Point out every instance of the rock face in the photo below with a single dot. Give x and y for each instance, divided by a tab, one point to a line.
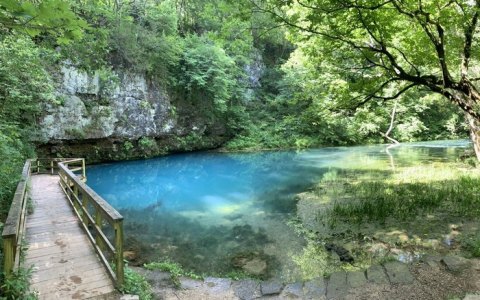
105	109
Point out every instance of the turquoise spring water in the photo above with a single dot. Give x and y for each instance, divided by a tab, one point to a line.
204	210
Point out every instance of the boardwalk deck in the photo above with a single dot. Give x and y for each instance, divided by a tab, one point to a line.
65	265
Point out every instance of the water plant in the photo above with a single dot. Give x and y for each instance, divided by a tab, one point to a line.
175	270
408	193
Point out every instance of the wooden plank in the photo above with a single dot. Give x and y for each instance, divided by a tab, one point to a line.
64	262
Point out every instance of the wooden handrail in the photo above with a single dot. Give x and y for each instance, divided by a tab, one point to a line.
50	165
82	198
14	227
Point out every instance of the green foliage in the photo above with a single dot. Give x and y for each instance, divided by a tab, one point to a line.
173	268
127	145
147	143
207	74
471	243
53	17
24	82
17	287
136	284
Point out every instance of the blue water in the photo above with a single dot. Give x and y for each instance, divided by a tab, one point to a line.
206	209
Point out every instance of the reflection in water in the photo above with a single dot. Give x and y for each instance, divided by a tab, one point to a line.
212	212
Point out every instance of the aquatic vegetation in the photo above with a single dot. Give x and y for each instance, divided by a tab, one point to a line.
175	270
408	193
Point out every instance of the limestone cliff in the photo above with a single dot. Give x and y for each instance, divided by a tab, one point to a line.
112	115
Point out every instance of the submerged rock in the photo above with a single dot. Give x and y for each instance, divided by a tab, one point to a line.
342	253
251	263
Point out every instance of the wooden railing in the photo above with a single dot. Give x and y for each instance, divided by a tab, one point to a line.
50	166
95	213
14	227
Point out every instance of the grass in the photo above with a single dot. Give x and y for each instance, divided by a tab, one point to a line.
406	194
175	270
471	243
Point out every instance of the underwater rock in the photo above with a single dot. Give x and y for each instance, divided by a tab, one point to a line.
250	263
342	253
130	255
255	266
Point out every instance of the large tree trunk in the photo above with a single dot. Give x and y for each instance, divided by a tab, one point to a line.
475	134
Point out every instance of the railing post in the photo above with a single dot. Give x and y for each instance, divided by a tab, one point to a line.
38	166
9	249
51	166
75	197
98	222
84	205
118	225
84	173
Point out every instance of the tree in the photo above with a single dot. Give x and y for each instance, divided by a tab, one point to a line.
386	48
35	17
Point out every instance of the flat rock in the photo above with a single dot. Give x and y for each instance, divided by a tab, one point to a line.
315	289
398	272
190	284
246	289
375	274
129	297
455	263
293	290
271	287
433	261
217	285
472	297
337	285
356	279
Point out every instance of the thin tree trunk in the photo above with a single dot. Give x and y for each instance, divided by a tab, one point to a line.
392	120
475	134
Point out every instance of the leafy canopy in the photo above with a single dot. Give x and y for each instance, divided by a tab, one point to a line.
53	17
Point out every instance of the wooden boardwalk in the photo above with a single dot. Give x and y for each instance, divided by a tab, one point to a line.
65	264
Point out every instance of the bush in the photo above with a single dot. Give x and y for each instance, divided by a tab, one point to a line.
136	284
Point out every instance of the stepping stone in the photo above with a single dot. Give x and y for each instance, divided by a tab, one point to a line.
246	289
293	290
337	285
129	297
376	274
433	261
472	297
315	289
356	279
190	284
455	263
217	285
398	272
271	287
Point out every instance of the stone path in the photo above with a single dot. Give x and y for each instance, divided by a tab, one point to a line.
450	277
